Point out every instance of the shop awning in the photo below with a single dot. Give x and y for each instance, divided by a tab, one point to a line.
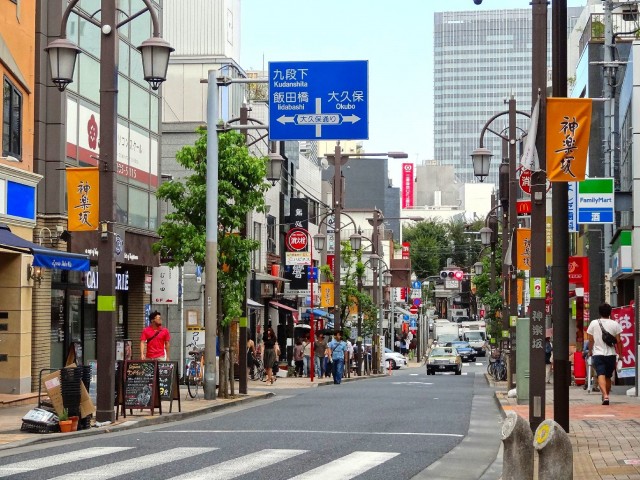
253	304
283	307
42	256
320	313
265	277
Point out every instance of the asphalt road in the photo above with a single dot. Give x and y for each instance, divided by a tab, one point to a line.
408	425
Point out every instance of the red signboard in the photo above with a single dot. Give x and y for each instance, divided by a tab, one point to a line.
296	240
405	249
331	261
579	271
407	185
523	207
413	310
525	181
625	317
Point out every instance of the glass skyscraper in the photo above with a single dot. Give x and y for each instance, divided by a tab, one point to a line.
480	58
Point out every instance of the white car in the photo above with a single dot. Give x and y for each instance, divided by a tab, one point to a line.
397	359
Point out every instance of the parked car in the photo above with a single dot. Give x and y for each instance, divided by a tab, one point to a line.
397	360
466	351
444	359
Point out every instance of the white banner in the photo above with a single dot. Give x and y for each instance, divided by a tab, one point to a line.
164	285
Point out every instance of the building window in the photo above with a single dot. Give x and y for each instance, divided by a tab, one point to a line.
271	234
11	120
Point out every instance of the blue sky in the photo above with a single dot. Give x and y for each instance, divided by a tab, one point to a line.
396	37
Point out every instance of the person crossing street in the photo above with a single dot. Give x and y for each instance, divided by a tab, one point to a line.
338	348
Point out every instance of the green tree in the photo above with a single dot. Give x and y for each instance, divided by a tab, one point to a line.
241	188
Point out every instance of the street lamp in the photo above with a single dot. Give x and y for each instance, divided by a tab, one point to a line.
477	268
339	159
155	59
274	170
481	158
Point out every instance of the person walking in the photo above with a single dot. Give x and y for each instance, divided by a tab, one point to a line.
252	363
269	341
319	347
338	348
603	349
154	340
548	350
298	358
306	356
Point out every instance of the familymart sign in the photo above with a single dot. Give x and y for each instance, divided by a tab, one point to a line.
595	201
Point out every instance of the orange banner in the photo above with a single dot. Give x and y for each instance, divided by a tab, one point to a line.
523	241
326	294
520	290
568	129
83	197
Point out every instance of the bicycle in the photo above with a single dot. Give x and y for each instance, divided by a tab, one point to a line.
194	377
258	370
497	367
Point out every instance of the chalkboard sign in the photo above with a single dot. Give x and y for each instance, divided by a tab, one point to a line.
168	382
141	389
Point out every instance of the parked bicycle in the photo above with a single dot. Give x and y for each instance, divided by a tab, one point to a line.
258	372
497	367
194	375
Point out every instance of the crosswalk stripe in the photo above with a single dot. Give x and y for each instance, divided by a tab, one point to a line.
240	466
53	460
347	467
124	467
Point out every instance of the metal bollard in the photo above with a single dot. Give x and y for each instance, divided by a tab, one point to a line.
517	441
555	454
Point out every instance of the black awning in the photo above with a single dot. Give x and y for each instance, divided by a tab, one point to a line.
42	256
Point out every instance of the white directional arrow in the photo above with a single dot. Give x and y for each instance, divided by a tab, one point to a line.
350	118
284	119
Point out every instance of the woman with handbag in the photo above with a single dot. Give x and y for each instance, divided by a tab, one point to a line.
269	341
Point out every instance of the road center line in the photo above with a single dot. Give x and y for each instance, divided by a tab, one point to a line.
329	432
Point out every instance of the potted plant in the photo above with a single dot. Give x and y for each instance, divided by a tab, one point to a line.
74	422
64	422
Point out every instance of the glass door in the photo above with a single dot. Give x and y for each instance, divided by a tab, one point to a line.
58	307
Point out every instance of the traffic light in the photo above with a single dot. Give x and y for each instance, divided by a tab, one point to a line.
452	274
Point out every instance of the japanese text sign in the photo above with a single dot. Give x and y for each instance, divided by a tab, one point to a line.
318	100
326	294
625	317
83	194
568	130
407	185
523	240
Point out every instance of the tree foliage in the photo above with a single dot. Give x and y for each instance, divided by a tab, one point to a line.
241	188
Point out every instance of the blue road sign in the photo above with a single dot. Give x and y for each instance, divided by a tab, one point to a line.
416	284
318	100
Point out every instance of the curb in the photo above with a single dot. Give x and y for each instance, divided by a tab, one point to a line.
145	422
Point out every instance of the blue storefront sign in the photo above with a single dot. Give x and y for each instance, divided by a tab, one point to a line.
318	100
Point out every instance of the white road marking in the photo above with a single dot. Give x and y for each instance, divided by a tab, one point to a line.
347	467
125	467
240	466
336	432
478	364
53	460
413	374
411	383
604	415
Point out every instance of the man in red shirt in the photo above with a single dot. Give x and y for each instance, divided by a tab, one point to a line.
154	341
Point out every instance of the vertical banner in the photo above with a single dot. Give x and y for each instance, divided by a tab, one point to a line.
572	207
407	185
568	130
326	294
299	218
523	239
625	317
406	250
83	193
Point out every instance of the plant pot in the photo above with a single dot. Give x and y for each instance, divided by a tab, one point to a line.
65	425
74	423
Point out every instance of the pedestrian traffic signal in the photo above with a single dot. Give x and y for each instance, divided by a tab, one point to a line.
452	274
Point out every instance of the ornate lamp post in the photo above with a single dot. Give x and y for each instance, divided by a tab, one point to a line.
155	61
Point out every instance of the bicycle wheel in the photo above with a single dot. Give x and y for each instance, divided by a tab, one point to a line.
501	373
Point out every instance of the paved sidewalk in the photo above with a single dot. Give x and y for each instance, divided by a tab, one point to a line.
605	439
14	407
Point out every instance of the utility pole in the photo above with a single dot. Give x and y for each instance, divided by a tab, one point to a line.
560	268
537	324
337	211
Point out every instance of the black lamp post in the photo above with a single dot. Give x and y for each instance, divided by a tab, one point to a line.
155	61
